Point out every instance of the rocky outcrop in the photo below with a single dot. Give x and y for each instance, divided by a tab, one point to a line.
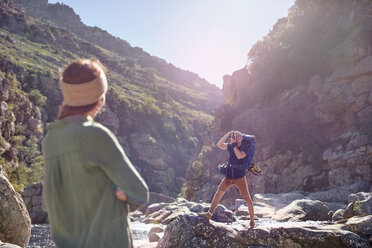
20	124
191	231
32	197
338	215
232	89
15	224
154	233
359	204
109	119
310	111
361	225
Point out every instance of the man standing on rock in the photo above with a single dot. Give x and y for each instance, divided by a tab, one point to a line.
241	150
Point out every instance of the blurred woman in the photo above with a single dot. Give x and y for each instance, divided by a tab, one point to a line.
89	182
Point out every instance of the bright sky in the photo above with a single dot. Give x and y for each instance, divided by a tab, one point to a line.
209	37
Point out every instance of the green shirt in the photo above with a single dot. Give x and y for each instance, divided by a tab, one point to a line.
83	162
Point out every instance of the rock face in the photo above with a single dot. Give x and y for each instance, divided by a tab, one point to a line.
15	224
310	111
190	231
32	196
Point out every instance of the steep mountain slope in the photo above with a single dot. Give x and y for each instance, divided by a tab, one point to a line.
307	96
158	111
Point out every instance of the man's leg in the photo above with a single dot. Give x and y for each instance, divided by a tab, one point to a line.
222	188
242	185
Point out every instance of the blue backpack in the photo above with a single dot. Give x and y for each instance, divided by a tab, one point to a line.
247	161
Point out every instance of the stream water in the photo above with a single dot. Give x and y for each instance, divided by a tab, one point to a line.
41	237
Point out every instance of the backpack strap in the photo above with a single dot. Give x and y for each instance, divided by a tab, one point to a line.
251	140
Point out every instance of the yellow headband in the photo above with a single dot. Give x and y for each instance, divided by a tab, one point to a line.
85	93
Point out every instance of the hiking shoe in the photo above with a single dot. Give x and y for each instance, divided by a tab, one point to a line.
206	215
251	224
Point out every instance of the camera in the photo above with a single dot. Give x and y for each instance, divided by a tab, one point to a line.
233	136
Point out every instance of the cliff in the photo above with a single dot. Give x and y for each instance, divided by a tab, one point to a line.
306	94
160	113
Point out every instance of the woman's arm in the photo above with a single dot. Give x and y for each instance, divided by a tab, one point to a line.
221	143
108	153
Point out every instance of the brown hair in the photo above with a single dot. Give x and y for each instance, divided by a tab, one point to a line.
78	72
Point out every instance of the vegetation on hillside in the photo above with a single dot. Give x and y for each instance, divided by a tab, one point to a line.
146	93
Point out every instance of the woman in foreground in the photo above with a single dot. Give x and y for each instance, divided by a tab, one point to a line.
89	182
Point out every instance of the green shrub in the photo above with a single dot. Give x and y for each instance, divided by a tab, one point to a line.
169	128
37	98
192	141
23	175
197	174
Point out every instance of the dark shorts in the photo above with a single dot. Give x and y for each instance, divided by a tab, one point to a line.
234	173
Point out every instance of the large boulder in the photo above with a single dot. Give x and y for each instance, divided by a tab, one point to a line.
338	215
155	207
7	245
153	237
221	214
303	210
15	223
359	204
156	198
190	231
163	213
302	235
361	225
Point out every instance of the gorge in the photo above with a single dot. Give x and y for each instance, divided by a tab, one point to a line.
306	94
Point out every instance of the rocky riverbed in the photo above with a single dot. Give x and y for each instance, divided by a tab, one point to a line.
41	235
282	220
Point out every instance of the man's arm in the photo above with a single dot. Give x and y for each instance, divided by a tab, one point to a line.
221	143
239	154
